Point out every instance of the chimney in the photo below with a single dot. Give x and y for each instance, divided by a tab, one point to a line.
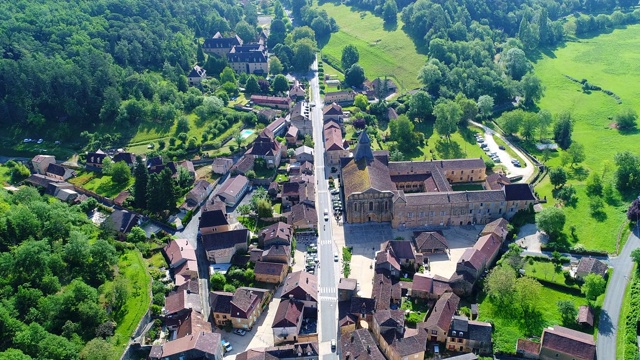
307	280
352	337
368	349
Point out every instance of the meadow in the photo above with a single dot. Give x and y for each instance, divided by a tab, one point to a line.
383	52
610	61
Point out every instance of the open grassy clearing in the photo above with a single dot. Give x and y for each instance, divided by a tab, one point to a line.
547	271
132	267
99	184
391	53
509	329
611	62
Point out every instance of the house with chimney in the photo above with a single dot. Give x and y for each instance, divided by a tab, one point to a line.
334	144
177	303
190	323
220	305
430	287
221	246
201	345
181	257
332	112
276	234
469	336
94	159
197	195
266	147
439	320
222	165
302	286
214	220
387	290
359	344
297	91
270	272
246	307
287	321
196	75
299	117
389	331
220	45
40	163
249	59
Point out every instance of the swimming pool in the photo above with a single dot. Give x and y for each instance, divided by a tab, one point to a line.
246	133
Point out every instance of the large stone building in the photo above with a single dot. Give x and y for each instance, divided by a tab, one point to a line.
419	193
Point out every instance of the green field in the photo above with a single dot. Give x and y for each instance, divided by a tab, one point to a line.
100	184
391	53
611	61
509	329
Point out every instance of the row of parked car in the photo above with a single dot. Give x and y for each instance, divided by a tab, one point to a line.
494	155
311	258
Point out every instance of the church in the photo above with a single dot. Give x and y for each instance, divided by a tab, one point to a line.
419	193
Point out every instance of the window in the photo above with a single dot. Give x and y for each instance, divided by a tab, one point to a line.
499	211
461	172
434	332
355	207
471	211
370	205
442	213
472	171
460	340
481	204
386	205
454	333
410	215
217	316
453	172
488	211
421	213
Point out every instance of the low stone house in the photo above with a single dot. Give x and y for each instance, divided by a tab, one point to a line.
287	321
439	319
269	272
220	305
469	336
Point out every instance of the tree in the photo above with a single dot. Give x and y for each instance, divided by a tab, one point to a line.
544	121
431	77
628	172
516	63
529	126
98	349
136	235
594	286
349	57
626	118
19	172
401	131
448	114
217	281
280	84
532	89
141	174
252	86
594	184
396	155
551	220
354	76
576	153
562	130
361	102
567	194
635	256
469	109
420	106
228	76
633	213
485	106
390	12
275	66
500	285
264	208
568	312
512	121
120	173
120	293
229	288
244	209
557	176
107	165
246	32
304	54
528	290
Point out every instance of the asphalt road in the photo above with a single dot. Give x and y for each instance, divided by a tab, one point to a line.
610	313
328	271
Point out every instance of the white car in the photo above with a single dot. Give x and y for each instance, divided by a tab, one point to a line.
40	141
326	218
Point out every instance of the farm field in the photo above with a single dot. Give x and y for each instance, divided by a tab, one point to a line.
391	53
610	61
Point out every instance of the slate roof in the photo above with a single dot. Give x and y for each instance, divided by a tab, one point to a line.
431	240
516	192
96	157
213	218
122	221
220	301
299	284
197	71
362	305
402	249
574	343
289	314
443	311
56	169
217	41
480	331
224	240
360	344
589	265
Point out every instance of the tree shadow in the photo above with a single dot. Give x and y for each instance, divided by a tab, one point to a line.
605	326
449	149
579	173
390	26
468	135
425	127
599	215
632	131
533	323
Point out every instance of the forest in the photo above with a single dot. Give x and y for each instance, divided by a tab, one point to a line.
53	262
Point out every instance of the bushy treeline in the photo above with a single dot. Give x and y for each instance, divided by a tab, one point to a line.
52	262
82	62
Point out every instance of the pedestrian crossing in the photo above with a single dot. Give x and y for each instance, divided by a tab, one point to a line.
328	298
325	242
326	290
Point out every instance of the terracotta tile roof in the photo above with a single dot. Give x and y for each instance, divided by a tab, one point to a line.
275	124
220	301
588	265
347	284
192	323
185	272
292	132
179	251
360	344
233	185
303	216
243	165
422	282
488	246
269	268
278	231
331	125
245	300
332	109
389	318
179	301
203	341
461	164
387	257
384	290
277	250
190	286
333	139
498	227
528	346
289	314
302	285
431	240
402	249
260	99
496	181
585	315
472	258
573	343
443	311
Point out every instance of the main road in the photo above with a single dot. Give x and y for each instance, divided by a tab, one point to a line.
329	269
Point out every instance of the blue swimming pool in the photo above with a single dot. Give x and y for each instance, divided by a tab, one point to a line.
246	133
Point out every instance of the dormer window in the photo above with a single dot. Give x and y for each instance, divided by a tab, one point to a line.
454	332
461	333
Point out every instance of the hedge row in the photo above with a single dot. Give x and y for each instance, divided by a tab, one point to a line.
631	322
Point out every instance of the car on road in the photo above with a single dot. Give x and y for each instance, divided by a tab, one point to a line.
333	345
239	332
326	211
226	345
313	104
326	218
335	192
501	147
335	257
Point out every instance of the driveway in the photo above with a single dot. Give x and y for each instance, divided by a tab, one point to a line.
260	336
526	172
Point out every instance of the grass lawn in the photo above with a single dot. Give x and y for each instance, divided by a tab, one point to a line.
333	73
102	185
132	267
509	329
611	62
277	208
418	310
382	52
282	178
4	175
547	271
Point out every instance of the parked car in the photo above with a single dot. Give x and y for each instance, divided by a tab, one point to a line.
226	345
239	332
501	147
480	140
335	258
333	345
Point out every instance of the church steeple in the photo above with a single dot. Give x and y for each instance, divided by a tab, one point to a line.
363	149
